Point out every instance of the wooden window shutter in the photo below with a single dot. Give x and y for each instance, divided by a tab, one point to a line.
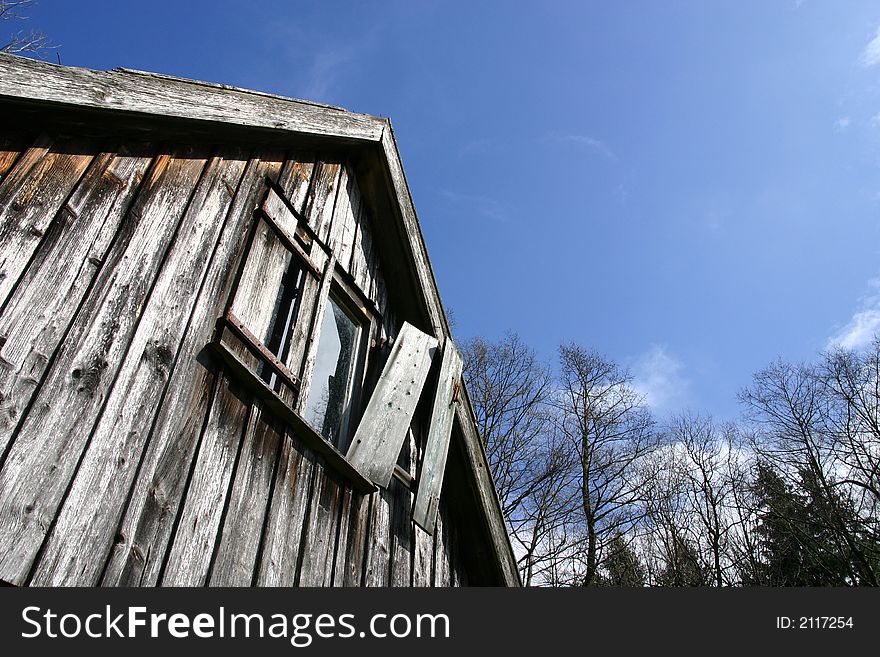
383	428
439	433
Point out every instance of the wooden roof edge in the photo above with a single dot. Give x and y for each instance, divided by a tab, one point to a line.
153	94
228	87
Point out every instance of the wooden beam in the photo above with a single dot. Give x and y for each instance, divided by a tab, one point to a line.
160	95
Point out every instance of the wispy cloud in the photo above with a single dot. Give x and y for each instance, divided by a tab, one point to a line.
483	206
658	376
841	124
871	54
585	141
863	325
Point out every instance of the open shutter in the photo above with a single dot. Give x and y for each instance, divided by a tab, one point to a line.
437	447
382	430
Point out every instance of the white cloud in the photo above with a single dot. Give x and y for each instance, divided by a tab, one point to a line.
842	123
874	121
658	377
871	54
865	322
593	144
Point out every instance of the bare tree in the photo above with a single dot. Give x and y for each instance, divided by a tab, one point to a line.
509	388
611	432
22	41
812	440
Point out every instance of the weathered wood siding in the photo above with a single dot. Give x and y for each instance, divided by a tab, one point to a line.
129	454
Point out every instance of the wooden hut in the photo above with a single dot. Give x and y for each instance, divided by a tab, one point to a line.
223	356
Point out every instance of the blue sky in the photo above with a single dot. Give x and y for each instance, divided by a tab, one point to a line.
692	188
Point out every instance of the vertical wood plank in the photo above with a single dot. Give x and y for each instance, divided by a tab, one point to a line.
145	529
442	574
284	526
83	533
322	199
377	564
343	226
235	560
44	304
43	459
319	538
193	543
11	147
362	256
354	525
26	215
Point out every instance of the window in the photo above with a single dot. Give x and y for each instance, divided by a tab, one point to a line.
340	337
296	313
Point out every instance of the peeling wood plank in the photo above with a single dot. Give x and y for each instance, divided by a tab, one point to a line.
197	530
43	459
84	529
439	433
163	96
44	304
235	560
287	513
26	215
387	417
146	527
319	539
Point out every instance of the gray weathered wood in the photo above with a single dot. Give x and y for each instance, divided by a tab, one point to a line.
46	451
84	529
235	558
387	417
362	260
439	433
164	96
377	558
343	226
197	530
284	526
442	576
145	529
354	518
319	539
26	215
44	304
